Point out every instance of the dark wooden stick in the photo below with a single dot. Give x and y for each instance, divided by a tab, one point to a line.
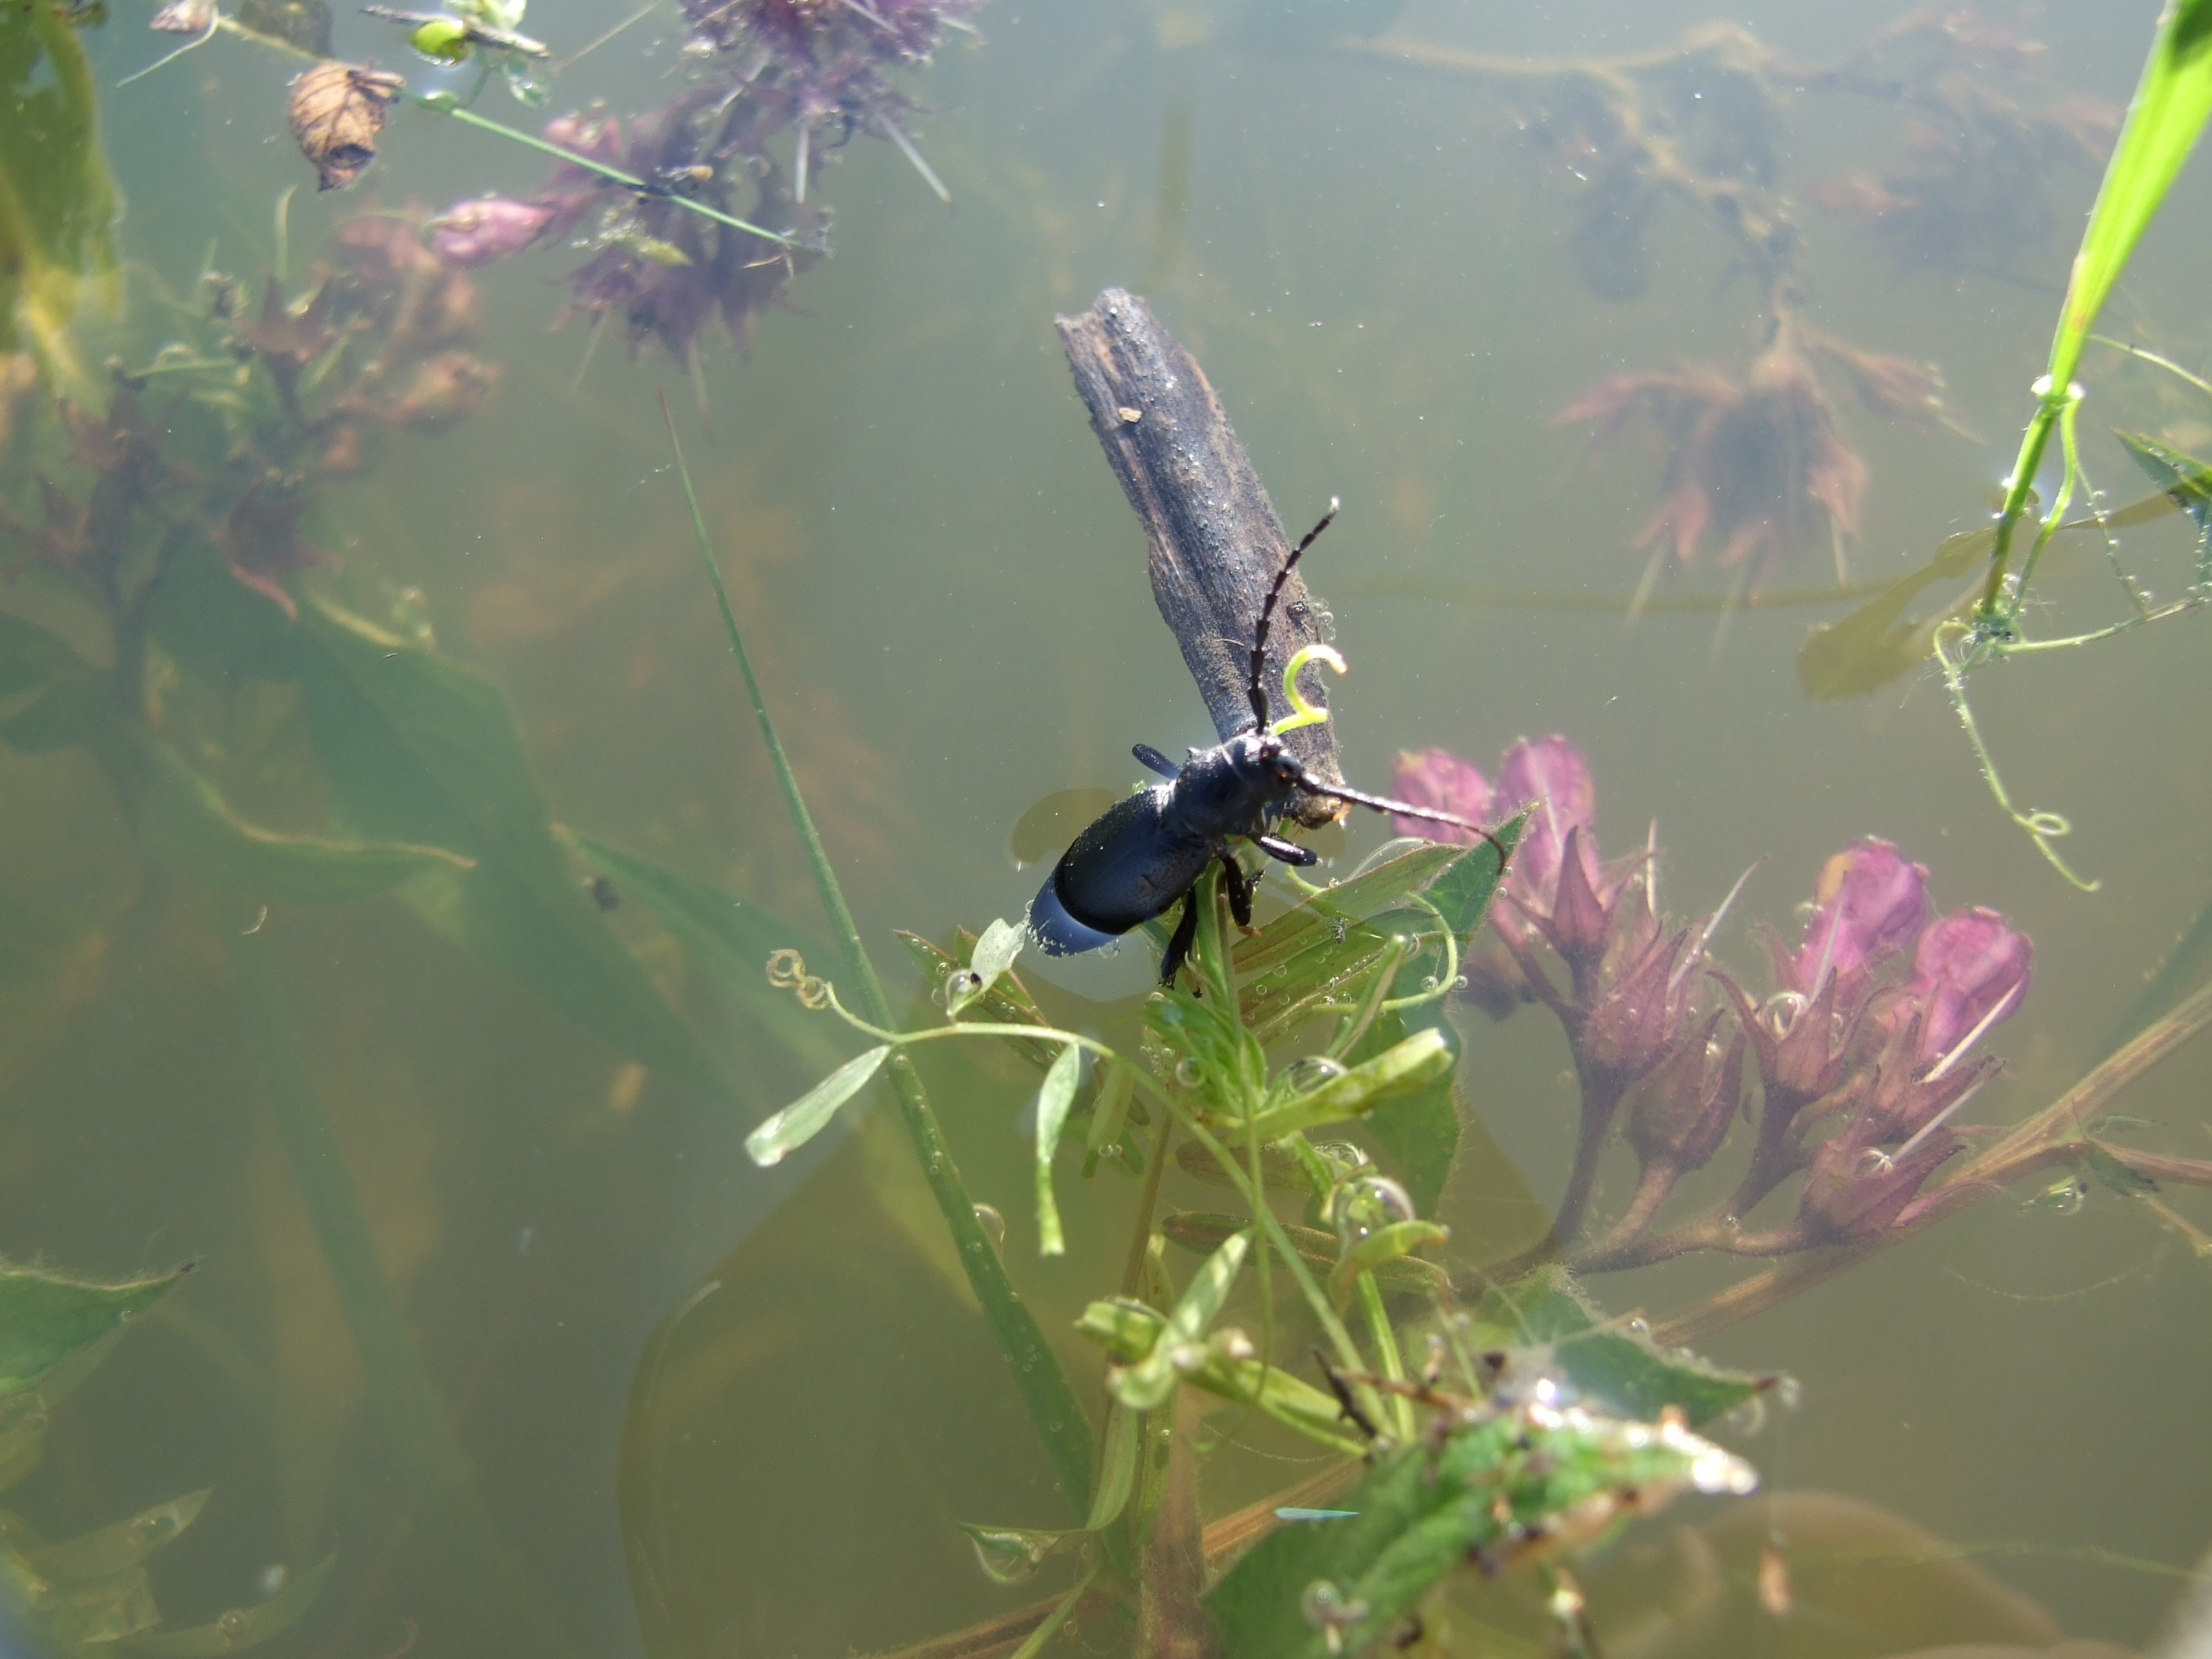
1216	543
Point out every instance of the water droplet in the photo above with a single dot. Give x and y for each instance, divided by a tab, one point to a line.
1639	1327
233	1626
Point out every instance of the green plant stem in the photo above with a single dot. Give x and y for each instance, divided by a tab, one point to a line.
2043	828
439	106
483	1572
1057	1414
1347	1352
1386	1352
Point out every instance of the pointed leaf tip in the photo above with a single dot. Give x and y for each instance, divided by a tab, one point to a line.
807	1117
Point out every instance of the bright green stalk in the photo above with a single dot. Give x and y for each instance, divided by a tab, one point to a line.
1386	1352
1053	1406
2171	103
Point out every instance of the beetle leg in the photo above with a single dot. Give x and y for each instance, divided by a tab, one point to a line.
1185	936
1288	851
1240	887
1152	760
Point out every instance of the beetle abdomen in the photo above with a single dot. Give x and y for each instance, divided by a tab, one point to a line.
1128	866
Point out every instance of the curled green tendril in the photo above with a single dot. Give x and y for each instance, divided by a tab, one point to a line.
1307	714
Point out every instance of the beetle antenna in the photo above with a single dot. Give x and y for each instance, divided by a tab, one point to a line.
1403	809
1267	615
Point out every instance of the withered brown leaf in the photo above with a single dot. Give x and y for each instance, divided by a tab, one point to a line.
337	112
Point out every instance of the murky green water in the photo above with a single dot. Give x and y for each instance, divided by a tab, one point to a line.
713	1410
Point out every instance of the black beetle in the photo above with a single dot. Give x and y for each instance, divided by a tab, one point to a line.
1144	853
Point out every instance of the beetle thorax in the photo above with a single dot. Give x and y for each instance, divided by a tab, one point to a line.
1236	788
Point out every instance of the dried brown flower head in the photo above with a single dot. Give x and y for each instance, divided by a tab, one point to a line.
336	113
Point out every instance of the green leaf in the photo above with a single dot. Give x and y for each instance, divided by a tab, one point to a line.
1877	643
1380	1249
2171	103
1490	1492
1117	1468
1007	1002
45	1318
1054	1097
61	202
241	1627
1547	1327
1012	1555
185	826
993	956
1148	1382
421	750
807	1117
1129	1331
2186	482
119	1546
1201	1230
95	1610
1462	893
1420	1059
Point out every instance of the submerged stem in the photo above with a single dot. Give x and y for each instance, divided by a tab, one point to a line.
1054	1410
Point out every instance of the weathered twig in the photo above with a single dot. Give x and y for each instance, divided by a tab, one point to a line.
1216	542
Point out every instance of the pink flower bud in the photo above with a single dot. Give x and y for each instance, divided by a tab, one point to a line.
1873	900
1442	782
1969	970
1551	774
477	232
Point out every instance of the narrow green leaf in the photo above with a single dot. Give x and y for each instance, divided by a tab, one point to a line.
186	826
1054	1097
1327	914
1109	1107
2185	480
1385	1244
1149	1381
1201	1230
1006	1002
421	750
45	1318
241	1627
1012	1555
1117	1468
71	1617
119	1546
806	1117
2171	103
1462	893
995	952
1414	1064
1129	1331
1877	643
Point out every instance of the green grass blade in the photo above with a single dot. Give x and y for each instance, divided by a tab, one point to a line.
2171	103
1053	1407
1054	1097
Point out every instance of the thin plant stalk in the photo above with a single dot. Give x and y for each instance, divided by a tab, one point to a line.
2169	110
449	1509
1054	1408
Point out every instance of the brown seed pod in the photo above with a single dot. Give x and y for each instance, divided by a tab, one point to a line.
337	112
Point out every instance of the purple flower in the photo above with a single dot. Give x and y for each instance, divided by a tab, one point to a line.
491	228
1551	774
1872	901
1969	970
1443	783
1854	1189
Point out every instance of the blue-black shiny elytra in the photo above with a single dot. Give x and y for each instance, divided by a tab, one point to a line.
1145	851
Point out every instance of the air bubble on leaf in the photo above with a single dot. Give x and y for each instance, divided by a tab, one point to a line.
1365	1204
1309	1072
234	1624
1187	1073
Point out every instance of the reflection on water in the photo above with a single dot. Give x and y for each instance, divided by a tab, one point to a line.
389	662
